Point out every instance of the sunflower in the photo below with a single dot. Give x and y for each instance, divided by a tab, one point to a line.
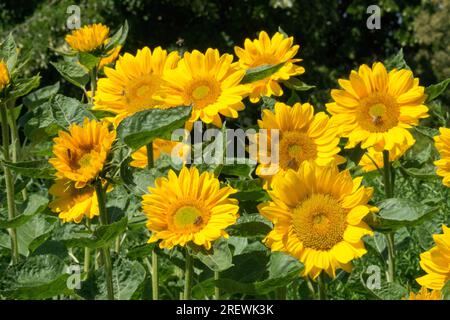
436	262
376	108
373	159
266	51
442	143
189	207
80	154
4	75
209	83
302	136
130	86
88	38
317	214
160	146
72	203
112	56
424	294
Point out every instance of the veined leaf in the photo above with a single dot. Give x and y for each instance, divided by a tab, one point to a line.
145	126
33	169
396	213
73	72
218	258
102	236
435	90
261	72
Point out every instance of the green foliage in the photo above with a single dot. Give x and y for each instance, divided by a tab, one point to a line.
145	126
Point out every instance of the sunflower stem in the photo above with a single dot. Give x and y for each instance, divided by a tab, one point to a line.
216	288
322	287
87	252
93	76
155	281
389	193
101	197
280	293
9	184
188	273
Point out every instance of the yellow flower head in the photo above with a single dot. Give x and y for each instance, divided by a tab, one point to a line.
112	56
191	207
317	214
72	203
436	262
424	294
373	159
160	146
442	143
209	83
88	38
376	108
4	75
131	85
302	136
79	155
266	51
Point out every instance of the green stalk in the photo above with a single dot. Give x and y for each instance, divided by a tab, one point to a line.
389	193
9	185
188	273
101	197
322	287
93	76
87	252
216	288
280	293
155	281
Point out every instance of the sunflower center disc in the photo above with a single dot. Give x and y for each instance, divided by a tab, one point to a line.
201	92
187	216
319	222
296	147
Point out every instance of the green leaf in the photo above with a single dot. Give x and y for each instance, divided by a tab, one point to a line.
41	95
127	277
33	169
396	213
8	52
88	60
142	251
101	237
41	277
435	90
297	85
248	189
34	205
145	126
427	172
57	113
236	168
218	258
118	38
445	292
251	225
396	62
73	72
283	269
23	87
261	72
386	290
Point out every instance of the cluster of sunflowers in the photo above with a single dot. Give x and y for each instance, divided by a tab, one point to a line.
319	212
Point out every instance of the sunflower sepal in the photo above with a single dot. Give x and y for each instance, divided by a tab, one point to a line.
118	38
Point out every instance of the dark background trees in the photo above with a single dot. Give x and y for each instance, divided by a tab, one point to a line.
332	33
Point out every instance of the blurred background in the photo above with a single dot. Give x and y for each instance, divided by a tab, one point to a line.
332	33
